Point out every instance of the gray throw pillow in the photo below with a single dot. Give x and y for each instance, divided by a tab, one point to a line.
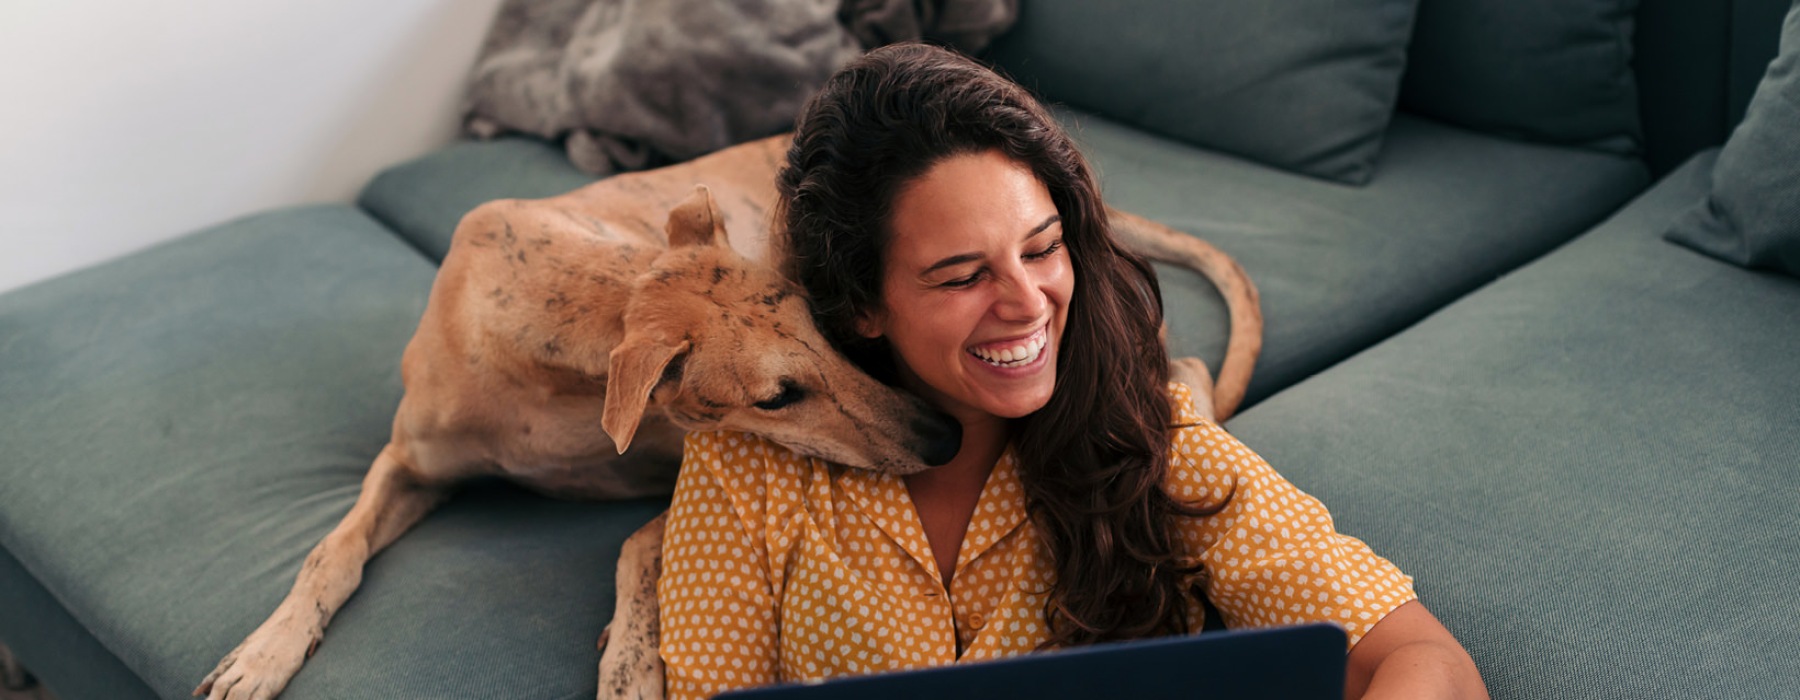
1752	215
1304	85
1555	71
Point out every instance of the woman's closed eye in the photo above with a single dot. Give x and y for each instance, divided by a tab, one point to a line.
1044	254
1048	251
962	281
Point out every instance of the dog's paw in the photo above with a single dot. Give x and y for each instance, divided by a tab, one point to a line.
261	667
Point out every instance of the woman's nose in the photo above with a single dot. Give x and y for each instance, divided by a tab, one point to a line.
1021	297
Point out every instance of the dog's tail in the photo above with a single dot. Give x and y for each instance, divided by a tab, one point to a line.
1164	244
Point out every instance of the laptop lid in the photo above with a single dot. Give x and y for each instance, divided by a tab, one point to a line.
1304	662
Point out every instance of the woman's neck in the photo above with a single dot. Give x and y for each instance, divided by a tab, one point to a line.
945	497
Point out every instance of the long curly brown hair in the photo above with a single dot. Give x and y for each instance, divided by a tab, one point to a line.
1092	460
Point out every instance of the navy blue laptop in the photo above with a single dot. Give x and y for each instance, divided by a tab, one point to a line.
1291	663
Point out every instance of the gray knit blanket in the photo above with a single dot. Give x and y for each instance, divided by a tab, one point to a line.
634	84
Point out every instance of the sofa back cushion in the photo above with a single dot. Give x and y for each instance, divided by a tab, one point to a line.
1305	85
1557	71
1751	217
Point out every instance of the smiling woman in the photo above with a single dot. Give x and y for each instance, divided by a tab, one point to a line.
953	242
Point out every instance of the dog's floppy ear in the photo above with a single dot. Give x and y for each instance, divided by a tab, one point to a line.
634	369
696	221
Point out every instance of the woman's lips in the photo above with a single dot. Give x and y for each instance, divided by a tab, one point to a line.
1013	353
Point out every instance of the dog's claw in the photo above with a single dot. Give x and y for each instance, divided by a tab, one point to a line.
605	633
206	684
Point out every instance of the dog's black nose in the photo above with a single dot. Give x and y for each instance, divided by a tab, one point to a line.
942	438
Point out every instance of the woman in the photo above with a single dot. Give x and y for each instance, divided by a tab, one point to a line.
953	242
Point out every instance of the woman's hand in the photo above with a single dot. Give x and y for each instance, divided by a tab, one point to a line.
1409	654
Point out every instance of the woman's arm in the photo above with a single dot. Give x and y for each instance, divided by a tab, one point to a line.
1409	654
1274	557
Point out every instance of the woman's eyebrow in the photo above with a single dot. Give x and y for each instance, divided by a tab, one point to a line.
1040	227
955	260
951	261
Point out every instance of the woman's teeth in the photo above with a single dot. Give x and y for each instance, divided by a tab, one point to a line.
1015	356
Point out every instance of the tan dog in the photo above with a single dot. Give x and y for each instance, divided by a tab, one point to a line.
624	305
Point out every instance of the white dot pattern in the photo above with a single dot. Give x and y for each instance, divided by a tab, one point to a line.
779	568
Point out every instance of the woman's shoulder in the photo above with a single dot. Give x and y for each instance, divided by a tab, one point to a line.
1203	458
1181	401
740	462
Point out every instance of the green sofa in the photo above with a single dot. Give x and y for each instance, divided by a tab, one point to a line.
1480	353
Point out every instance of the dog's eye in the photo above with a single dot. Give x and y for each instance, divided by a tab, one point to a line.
789	394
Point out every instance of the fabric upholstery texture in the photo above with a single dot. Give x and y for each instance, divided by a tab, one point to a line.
1305	85
1751	215
1588	466
1558	71
191	421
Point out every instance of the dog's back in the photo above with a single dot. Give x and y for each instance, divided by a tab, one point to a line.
742	180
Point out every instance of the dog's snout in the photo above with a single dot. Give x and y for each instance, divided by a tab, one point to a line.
941	438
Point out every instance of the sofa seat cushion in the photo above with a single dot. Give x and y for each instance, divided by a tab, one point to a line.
1340	268
1589	466
183	425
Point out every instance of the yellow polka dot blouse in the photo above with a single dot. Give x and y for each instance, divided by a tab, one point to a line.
779	568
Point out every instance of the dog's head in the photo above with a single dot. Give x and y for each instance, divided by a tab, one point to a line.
718	342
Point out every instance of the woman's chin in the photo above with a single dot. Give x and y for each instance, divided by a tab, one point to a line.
1018	401
1021	412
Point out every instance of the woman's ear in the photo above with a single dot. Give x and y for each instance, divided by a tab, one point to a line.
869	324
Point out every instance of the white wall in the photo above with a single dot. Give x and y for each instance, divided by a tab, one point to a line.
126	122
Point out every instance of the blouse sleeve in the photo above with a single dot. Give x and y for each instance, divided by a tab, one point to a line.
717	605
1272	556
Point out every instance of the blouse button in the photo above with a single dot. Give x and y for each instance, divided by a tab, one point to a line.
976	620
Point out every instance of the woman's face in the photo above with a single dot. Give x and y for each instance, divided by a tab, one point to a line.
976	289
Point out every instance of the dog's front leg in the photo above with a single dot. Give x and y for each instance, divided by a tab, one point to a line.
392	501
631	666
